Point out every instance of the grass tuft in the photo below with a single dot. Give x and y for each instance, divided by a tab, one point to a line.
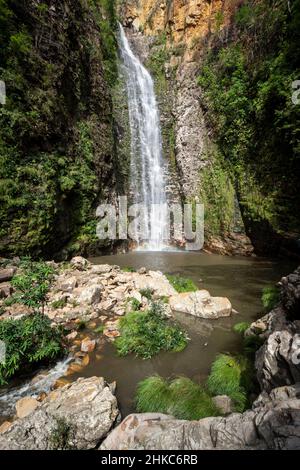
231	376
145	334
181	398
182	284
270	297
241	328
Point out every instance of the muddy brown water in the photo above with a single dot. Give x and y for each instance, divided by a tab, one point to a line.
239	279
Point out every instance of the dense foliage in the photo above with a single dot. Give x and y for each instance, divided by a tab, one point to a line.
181	398
29	342
56	133
32	284
146	334
247	79
182	284
231	376
270	297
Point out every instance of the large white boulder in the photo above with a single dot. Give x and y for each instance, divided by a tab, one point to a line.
201	304
88	409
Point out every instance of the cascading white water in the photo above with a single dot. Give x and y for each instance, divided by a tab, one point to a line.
147	164
42	383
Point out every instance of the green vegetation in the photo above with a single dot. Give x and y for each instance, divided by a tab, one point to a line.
29	342
182	284
242	327
62	435
129	269
33	284
231	376
100	329
135	304
251	343
270	297
56	130
181	398
145	334
59	303
217	194
147	293
247	84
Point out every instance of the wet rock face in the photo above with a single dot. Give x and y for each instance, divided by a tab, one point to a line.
290	293
88	410
274	423
278	360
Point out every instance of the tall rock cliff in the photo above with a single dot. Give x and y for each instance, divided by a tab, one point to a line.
232	131
57	134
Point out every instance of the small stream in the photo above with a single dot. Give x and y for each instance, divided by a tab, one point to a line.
239	279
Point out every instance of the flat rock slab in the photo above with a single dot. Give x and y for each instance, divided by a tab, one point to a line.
7	274
88	408
201	304
273	423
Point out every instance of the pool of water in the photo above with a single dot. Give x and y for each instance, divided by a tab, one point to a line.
239	279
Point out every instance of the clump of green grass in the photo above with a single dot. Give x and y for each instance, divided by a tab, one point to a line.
270	297
135	304
100	329
241	328
59	303
182	284
231	376
147	293
145	334
181	398
251	343
129	269
62	435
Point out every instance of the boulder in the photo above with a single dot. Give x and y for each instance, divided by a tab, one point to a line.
6	290
7	274
87	407
201	304
224	404
155	281
278	360
290	293
142	271
68	285
79	263
26	406
273	423
102	269
72	336
88	345
91	295
5	426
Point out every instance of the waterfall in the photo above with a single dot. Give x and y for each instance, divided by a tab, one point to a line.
147	180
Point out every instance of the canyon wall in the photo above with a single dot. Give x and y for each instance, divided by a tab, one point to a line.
224	72
58	156
171	33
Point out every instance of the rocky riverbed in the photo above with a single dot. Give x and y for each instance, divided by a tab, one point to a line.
99	295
